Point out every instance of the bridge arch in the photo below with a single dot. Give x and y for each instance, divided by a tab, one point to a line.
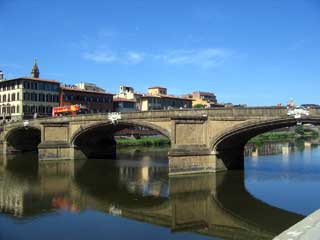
96	140
118	126
20	139
229	145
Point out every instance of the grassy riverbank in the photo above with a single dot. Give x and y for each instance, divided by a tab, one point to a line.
298	132
145	141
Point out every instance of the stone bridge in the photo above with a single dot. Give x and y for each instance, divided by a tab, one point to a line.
202	140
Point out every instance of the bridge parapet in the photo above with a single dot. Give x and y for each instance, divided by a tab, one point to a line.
252	112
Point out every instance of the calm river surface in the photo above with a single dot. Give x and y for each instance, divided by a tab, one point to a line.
133	197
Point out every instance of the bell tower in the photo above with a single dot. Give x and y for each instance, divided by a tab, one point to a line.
35	70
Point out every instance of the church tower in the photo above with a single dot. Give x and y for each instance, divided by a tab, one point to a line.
35	70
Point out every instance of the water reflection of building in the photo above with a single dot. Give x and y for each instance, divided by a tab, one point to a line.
50	188
268	148
12	198
148	181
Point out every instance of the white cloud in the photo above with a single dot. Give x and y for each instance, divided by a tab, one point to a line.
102	56
208	57
135	57
104	48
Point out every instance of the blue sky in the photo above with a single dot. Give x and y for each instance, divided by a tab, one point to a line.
254	52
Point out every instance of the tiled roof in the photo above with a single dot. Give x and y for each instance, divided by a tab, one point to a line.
204	93
165	96
157	87
35	79
82	90
123	100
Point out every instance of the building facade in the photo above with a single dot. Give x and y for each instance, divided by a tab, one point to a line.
24	97
128	93
157	99
89	87
205	99
96	102
124	105
157	90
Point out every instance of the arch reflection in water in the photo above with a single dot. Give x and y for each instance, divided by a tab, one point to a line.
216	205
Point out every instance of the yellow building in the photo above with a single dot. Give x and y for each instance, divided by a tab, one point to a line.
157	90
24	96
206	99
157	99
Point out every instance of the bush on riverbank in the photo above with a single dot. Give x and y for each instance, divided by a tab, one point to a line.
146	141
298	132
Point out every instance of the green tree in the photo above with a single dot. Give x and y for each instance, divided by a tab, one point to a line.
199	105
299	130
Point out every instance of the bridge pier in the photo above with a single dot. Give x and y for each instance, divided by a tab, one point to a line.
190	152
191	159
55	151
55	142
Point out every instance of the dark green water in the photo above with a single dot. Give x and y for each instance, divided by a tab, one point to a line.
133	198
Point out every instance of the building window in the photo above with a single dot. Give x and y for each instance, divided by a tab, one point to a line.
18	109
18	96
48	110
13	109
13	97
26	96
33	97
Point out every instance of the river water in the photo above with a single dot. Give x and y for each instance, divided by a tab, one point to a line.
133	197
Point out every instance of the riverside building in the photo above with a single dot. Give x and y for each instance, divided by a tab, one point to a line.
96	100
206	99
128	93
157	99
25	97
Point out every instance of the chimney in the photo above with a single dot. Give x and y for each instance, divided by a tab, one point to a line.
1	75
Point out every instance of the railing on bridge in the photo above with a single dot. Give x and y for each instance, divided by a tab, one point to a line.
247	112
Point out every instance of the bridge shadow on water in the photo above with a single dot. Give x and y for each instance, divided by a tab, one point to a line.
216	205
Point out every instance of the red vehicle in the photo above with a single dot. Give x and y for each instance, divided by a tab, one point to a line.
69	110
